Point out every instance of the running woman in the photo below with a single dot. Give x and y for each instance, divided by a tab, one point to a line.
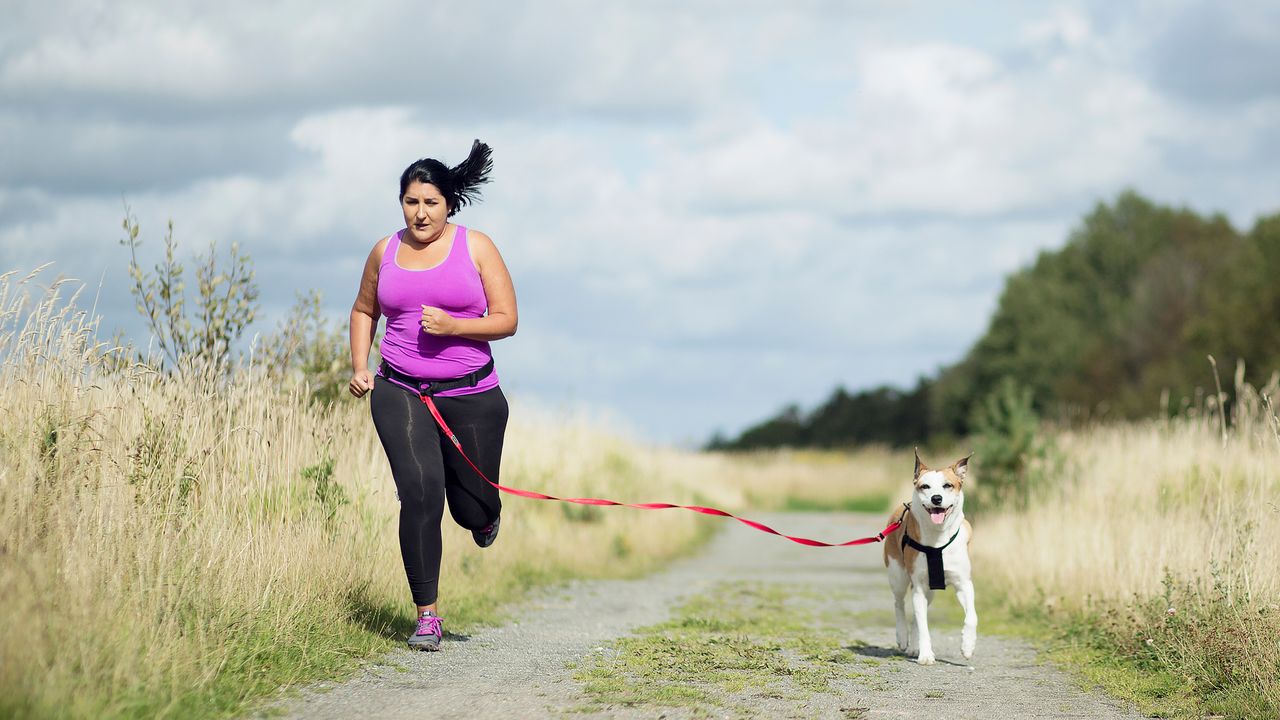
446	295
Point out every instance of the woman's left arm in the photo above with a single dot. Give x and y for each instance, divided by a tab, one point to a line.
502	318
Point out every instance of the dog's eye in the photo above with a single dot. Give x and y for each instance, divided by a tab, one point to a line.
924	487
948	486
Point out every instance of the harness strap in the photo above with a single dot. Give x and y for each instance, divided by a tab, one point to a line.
937	579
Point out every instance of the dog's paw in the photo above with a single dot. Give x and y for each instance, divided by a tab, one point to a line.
967	652
925	659
910	651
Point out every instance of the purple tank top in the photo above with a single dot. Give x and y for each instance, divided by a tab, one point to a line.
453	286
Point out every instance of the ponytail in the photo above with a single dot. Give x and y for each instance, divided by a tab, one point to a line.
459	185
470	174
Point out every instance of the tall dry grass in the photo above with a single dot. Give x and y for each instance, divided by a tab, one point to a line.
1158	542
177	545
1139	501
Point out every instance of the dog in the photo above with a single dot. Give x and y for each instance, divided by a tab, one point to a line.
933	519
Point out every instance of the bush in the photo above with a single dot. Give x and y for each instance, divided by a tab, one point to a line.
225	306
1014	454
307	347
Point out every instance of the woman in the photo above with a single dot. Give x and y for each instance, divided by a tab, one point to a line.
446	294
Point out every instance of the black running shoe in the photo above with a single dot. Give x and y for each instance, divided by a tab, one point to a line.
485	536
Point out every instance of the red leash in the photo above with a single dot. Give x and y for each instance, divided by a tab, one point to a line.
643	506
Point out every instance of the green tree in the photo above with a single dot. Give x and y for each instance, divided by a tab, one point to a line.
787	429
1102	326
1242	305
1010	447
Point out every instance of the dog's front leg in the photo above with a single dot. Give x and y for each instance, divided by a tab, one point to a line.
920	607
969	633
901	585
900	620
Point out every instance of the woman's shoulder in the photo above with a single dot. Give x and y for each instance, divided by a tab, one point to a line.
374	261
480	244
480	247
475	236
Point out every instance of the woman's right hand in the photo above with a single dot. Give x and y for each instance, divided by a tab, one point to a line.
361	383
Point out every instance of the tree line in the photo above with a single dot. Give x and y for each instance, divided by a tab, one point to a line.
1117	324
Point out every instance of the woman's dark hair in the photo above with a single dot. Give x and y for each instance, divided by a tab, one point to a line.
459	185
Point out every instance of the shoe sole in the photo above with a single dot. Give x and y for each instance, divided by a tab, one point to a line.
487	540
424	647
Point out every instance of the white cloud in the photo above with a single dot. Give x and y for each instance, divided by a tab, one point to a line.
944	129
711	210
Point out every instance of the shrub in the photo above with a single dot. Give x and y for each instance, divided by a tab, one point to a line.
1014	454
226	302
307	347
1211	633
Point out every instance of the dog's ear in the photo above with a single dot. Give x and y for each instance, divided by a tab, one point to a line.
961	467
920	467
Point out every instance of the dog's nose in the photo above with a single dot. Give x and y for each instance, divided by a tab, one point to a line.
937	499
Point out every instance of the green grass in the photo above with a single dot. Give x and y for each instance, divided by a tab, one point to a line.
1077	643
1200	662
1204	647
263	661
722	650
870	503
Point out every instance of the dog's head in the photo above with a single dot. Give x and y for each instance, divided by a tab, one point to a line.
940	493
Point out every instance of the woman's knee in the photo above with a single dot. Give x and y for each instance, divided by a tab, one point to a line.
420	500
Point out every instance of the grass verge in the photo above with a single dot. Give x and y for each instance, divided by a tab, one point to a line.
1076	643
1188	654
735	648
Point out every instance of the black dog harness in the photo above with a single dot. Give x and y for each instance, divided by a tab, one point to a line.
937	580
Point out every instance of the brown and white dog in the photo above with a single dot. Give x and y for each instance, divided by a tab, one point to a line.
933	519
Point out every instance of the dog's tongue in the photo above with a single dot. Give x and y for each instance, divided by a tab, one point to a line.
937	515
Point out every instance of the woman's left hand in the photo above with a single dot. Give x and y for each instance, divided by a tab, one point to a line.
438	322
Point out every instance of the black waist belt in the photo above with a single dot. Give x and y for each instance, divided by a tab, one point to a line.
432	387
937	578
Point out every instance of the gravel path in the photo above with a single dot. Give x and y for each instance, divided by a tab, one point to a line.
519	670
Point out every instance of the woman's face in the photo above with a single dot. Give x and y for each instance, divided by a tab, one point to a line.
424	211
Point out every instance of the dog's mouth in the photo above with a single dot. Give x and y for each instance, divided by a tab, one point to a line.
937	514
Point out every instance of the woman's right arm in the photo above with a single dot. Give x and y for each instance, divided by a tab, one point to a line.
364	322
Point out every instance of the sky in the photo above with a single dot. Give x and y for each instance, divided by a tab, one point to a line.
710	210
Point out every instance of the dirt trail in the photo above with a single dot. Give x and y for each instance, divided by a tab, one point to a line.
519	670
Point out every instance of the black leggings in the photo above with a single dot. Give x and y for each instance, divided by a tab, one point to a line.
427	468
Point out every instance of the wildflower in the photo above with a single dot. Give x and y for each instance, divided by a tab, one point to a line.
1171	611
1150	641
